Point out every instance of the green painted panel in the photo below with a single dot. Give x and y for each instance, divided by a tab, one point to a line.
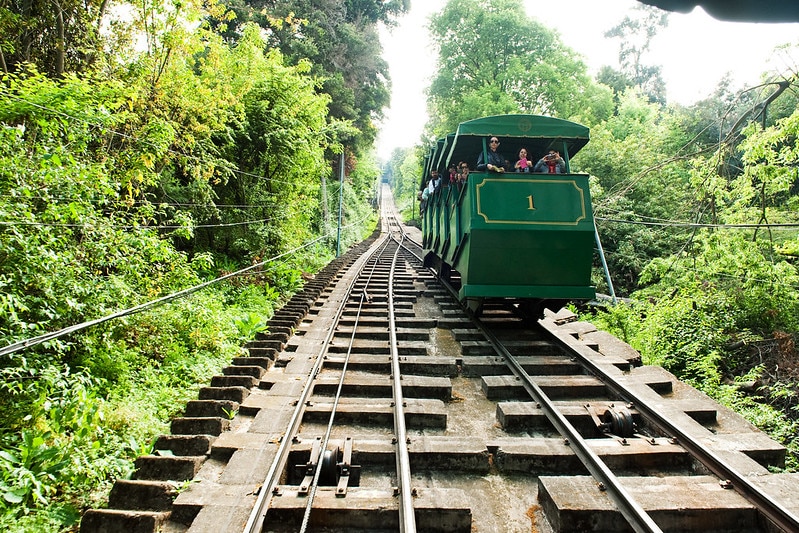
534	200
529	257
527	291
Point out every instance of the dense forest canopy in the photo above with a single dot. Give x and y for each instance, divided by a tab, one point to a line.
339	41
150	148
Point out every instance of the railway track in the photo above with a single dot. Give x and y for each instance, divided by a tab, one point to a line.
377	403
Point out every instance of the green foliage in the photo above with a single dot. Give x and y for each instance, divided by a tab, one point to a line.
622	321
169	353
403	173
118	188
74	251
637	178
249	324
636	34
59	446
728	291
494	59
58	39
339	41
29	472
737	281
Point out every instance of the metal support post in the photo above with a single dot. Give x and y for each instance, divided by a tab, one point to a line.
604	264
340	202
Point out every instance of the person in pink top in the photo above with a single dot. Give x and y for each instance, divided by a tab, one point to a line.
523	165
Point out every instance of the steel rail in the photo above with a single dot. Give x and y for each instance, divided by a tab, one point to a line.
635	515
403	234
407	518
255	521
328	431
776	513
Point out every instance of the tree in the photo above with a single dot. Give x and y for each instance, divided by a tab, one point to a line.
641	178
616	80
493	59
636	34
403	172
339	40
57	36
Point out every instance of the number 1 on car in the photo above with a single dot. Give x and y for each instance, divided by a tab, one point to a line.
530	202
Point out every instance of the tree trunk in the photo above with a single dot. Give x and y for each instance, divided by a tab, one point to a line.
60	41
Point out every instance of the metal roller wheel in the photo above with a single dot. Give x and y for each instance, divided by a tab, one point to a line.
328	477
620	422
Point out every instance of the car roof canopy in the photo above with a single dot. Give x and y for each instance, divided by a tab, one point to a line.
537	133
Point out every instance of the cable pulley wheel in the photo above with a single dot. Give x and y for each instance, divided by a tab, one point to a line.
620	422
328	476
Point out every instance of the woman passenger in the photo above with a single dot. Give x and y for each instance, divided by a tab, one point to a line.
522	165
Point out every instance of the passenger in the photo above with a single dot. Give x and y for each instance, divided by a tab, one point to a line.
435	182
523	165
453	173
551	163
494	162
463	172
429	187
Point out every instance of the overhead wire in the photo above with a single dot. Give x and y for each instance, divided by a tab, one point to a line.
144	226
154	202
699	225
718	274
27	343
168	150
135	139
628	184
137	226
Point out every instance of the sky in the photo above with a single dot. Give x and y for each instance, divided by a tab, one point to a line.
695	52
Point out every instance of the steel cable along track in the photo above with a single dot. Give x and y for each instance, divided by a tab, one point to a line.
387	408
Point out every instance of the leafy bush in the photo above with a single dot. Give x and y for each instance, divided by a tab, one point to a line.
62	454
58	448
703	313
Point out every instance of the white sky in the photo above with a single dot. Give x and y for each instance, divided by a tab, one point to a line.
695	52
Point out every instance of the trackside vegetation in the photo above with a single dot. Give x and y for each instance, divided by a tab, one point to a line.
145	152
